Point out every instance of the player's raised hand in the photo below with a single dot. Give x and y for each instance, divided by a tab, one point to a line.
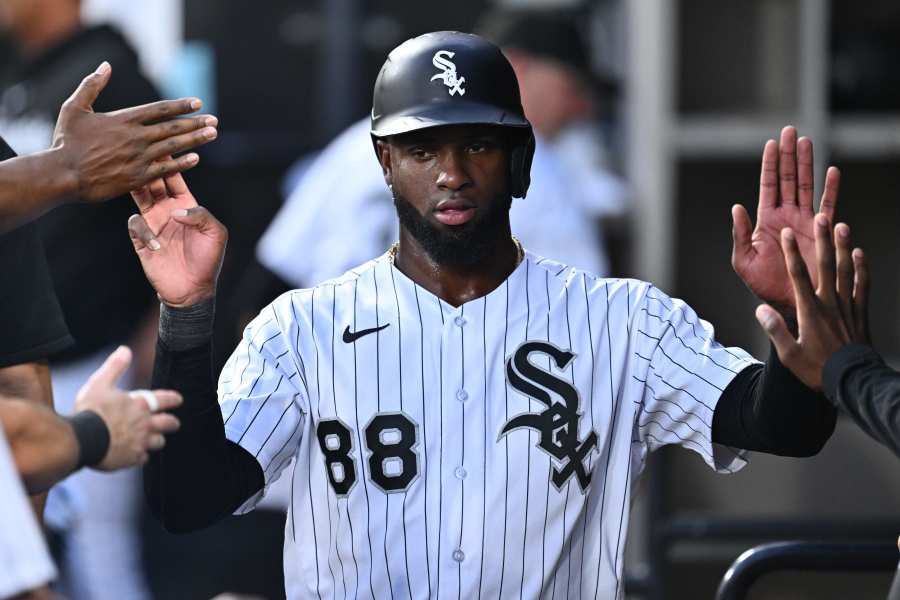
830	315
785	200
180	244
109	154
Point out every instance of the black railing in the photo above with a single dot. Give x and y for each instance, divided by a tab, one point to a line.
803	556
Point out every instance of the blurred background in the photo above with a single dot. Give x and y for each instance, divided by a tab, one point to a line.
663	109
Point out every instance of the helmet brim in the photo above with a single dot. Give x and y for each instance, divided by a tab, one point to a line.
445	113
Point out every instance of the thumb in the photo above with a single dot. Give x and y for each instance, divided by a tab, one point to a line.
199	218
112	368
91	86
774	326
741	231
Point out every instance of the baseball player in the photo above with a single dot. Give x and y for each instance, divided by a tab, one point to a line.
467	419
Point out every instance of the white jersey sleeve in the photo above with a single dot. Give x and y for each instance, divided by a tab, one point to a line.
24	561
262	392
681	372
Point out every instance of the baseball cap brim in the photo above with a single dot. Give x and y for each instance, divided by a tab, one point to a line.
445	113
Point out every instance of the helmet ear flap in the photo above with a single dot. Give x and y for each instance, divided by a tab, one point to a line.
520	167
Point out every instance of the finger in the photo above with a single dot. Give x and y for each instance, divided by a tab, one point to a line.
156	111
774	326
825	261
199	218
180	143
112	368
157	189
164	423
768	177
787	166
142	460
803	290
830	193
141	235
147	397
167	399
741	232
142	197
90	87
170	166
176	185
861	292
156	442
805	181
844	269
175	127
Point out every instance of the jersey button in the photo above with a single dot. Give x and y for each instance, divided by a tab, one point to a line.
460	321
460	473
462	395
459	555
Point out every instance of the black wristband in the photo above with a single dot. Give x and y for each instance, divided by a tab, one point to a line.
92	435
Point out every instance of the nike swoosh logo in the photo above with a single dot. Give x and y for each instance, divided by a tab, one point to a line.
351	336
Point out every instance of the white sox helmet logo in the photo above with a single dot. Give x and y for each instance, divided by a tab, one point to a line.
448	75
558	424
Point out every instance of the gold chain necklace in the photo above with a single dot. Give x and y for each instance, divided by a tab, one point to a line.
520	251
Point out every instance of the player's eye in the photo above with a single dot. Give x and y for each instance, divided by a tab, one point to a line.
479	146
420	153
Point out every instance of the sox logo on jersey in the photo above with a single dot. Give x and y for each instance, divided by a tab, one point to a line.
558	425
486	450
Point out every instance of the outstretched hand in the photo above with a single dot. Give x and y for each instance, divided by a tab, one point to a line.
785	201
830	315
180	244
109	154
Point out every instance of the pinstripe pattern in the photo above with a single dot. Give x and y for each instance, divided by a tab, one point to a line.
481	514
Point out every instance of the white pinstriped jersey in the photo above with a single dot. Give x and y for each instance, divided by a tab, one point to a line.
481	451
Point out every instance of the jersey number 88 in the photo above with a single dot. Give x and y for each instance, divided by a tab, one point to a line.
391	441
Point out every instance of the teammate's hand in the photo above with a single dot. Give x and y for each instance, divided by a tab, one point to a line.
830	316
134	430
180	244
109	154
785	200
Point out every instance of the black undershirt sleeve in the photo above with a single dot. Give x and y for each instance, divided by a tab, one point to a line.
861	385
199	477
766	408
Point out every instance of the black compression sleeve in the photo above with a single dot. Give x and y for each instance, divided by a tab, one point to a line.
859	384
199	477
767	409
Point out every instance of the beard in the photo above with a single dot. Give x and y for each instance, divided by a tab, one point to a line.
457	246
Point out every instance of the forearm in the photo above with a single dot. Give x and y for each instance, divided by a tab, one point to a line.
45	447
31	185
199	477
30	382
858	383
767	409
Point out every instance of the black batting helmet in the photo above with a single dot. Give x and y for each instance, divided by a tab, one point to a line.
452	78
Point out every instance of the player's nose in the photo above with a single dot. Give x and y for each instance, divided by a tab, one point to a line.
452	173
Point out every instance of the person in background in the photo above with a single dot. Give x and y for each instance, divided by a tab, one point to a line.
98	512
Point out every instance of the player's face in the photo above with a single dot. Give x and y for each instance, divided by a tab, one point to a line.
450	187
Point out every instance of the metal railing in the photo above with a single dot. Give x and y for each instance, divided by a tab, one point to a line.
803	556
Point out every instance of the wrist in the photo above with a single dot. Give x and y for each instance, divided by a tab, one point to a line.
186	327
58	172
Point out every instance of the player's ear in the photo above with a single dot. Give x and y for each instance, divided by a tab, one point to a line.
383	150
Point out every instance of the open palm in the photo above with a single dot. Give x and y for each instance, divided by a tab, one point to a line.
180	244
785	200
